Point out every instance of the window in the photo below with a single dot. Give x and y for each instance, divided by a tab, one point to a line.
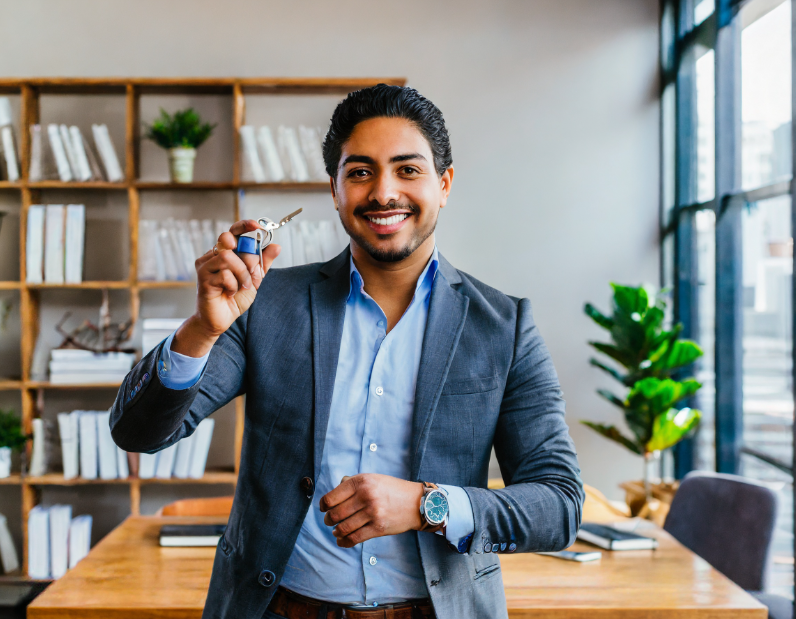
727	239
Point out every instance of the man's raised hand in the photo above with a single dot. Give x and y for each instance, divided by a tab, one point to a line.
226	287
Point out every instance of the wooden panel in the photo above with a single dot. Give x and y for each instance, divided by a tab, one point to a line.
127	575
132	133
105	185
238	120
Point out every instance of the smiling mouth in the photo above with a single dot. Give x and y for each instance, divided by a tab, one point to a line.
387	221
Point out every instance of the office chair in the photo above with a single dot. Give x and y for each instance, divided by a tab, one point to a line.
729	521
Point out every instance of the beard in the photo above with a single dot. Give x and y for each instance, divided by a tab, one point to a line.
390	255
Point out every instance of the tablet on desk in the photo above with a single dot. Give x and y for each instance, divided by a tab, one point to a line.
191	535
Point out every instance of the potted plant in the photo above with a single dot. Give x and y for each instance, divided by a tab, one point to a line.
649	355
181	134
11	437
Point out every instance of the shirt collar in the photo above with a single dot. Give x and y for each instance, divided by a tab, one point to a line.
428	274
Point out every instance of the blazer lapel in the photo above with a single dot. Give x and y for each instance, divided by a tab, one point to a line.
446	316
328	301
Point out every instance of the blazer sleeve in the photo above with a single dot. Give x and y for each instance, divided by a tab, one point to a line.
539	510
147	416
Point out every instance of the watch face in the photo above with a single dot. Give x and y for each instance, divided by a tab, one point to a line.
435	507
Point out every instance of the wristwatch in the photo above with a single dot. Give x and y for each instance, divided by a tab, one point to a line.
434	507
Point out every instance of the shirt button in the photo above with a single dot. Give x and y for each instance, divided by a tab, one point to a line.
379	391
372	561
380	323
373	447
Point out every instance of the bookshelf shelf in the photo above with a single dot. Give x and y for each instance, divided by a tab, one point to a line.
34	392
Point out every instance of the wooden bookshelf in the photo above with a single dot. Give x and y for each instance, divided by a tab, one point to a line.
30	295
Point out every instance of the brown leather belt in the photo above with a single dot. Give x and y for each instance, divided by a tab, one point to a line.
291	605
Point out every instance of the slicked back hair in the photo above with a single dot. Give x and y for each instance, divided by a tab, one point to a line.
383	101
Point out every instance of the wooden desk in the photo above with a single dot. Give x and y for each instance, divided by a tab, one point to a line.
127	575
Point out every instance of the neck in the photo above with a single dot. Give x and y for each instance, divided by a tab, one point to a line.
392	284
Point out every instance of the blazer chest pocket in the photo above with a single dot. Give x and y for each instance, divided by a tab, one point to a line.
463	386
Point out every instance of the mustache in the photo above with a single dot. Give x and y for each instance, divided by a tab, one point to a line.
375	207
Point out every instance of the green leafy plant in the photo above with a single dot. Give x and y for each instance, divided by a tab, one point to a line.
184	129
648	355
11	434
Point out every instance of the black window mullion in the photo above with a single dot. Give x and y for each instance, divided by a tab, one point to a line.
729	263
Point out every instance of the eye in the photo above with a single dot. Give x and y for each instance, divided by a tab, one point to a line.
358	173
410	170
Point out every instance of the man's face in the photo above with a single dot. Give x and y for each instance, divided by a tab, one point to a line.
387	190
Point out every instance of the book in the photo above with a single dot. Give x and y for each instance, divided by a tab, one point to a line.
34	251
59	153
312	246
313	152
74	243
122	463
185	535
165	464
39	542
107	448
8	552
172	267
155	330
183	234
147	465
107	152
87	423
93	163
60	519
71	155
79	354
9	153
87	378
297	242
68	429
201	448
38	463
197	240
148	263
298	166
54	243
79	539
275	172
79	147
182	461
5	111
249	143
610	538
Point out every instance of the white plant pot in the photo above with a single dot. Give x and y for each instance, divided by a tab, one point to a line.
5	462
181	164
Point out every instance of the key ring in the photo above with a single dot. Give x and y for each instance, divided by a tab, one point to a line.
256	241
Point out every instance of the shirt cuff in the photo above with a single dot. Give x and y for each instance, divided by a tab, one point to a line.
461	523
178	371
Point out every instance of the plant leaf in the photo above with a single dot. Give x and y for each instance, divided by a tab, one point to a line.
611	398
679	354
597	316
608	370
615	353
631	300
671	427
610	432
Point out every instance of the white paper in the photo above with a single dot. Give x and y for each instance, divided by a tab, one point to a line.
88	444
60	519
54	244
201	448
39	542
75	235
68	429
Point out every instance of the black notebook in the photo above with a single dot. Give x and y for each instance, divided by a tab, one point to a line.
191	534
614	539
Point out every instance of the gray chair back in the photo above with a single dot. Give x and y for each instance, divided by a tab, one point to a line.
728	521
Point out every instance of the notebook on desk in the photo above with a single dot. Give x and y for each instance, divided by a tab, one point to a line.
614	539
185	535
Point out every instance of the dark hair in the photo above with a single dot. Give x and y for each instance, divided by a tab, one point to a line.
390	102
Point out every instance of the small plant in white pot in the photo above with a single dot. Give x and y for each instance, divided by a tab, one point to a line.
180	134
11	438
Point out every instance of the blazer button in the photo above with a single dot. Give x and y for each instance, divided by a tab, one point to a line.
307	486
487	547
512	547
503	547
267	578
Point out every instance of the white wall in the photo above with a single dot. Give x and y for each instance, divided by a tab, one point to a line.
551	106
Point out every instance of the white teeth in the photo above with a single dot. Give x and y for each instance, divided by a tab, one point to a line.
388	221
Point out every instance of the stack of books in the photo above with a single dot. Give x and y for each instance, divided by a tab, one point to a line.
55	243
185	459
56	541
168	249
290	155
87	447
9	168
61	152
73	366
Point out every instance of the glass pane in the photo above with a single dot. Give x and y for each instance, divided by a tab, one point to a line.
706	125
766	93
668	118
767	365
703	10
705	371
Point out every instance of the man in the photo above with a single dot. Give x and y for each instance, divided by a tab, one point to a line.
377	385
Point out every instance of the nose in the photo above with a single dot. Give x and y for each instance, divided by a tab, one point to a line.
385	189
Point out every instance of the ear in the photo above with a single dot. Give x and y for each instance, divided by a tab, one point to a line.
334	192
446	181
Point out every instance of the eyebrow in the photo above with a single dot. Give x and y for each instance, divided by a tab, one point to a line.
371	161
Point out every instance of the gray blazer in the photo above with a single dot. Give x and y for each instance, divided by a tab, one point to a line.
485	378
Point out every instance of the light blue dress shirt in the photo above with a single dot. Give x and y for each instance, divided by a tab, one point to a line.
369	431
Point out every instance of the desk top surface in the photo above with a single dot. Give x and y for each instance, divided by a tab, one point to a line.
129	575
